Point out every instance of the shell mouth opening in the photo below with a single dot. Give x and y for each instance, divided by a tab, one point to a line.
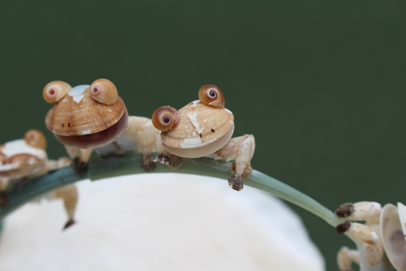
98	139
202	150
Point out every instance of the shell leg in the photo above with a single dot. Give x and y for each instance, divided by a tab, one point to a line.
346	256
4	182
164	157
241	166
79	162
69	195
361	211
372	241
147	142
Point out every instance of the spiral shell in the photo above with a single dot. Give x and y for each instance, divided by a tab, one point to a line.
165	118
104	91
211	95
36	139
54	91
201	130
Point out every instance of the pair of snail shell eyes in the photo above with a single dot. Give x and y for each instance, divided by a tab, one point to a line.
166	118
101	90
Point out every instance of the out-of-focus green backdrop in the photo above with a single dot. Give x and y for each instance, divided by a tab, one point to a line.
322	86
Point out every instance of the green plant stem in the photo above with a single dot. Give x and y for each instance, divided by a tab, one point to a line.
117	165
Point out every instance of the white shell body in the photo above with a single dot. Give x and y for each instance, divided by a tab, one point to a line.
201	131
393	235
29	161
131	138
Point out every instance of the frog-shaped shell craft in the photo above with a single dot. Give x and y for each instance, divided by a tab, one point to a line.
89	117
204	128
24	159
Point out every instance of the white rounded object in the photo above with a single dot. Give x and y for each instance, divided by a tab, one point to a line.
159	222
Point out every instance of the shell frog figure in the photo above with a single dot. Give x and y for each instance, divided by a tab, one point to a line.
89	117
22	160
204	128
382	236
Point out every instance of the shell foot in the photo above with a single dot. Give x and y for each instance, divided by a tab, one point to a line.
79	167
343	227
345	210
244	175
147	163
3	199
235	182
172	161
162	159
69	223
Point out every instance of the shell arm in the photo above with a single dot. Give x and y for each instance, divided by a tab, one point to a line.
241	149
69	195
346	257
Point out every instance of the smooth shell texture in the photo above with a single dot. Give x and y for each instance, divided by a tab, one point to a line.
402	217
55	91
78	114
104	91
211	95
165	118
19	146
98	139
393	237
36	139
199	125
204	150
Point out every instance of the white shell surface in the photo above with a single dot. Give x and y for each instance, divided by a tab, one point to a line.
203	150
393	237
77	92
29	159
150	222
19	146
199	125
402	217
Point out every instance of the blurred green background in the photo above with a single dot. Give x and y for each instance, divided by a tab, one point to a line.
321	85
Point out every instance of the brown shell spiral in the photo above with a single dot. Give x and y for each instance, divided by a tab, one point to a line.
104	91
54	91
165	118
36	139
211	95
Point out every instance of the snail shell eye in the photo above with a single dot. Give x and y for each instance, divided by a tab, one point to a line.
104	91
211	95
165	118
36	139
54	91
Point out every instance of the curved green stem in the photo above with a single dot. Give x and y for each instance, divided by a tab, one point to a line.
117	165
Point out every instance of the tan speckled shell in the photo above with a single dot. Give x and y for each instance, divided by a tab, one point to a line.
69	118
199	125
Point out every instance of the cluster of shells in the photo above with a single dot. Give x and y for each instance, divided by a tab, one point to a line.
382	238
